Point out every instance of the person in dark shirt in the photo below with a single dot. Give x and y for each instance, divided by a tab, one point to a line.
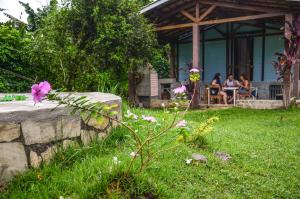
216	87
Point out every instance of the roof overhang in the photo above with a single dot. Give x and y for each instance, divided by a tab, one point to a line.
153	5
173	18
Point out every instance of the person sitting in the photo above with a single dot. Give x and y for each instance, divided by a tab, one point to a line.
216	87
230	82
244	85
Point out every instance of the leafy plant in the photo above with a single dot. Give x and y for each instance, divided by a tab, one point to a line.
144	148
161	61
286	60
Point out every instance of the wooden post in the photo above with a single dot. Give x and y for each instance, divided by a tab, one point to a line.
287	75
296	71
196	46
196	43
296	76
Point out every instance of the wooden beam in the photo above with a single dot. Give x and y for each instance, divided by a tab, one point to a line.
197	11
244	18
188	15
241	6
177	26
207	12
220	21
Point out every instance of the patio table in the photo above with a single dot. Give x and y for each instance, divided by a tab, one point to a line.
234	89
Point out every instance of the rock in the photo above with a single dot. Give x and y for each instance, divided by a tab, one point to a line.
68	143
49	153
69	127
13	160
223	156
97	124
199	158
35	159
9	131
87	137
38	132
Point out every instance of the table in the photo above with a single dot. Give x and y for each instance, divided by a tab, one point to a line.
234	89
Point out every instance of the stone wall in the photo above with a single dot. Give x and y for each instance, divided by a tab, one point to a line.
260	104
31	134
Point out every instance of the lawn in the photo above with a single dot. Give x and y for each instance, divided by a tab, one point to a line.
264	146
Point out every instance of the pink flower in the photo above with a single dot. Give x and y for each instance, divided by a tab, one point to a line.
39	91
181	124
194	70
180	90
149	118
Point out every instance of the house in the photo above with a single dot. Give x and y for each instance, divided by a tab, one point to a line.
225	36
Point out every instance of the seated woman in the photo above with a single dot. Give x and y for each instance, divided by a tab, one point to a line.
230	82
216	87
244	85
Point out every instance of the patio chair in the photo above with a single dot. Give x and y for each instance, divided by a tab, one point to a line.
253	93
213	98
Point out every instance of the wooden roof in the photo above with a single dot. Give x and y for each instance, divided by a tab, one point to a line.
169	12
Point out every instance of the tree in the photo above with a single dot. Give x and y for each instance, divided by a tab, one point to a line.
81	41
286	60
13	64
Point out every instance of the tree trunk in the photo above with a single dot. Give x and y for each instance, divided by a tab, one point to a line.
132	95
286	90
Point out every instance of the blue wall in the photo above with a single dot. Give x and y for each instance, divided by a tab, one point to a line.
257	59
215	59
185	57
215	56
273	44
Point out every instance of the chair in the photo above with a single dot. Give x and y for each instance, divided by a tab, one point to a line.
253	93
210	97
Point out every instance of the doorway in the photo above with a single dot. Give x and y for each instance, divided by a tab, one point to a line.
243	57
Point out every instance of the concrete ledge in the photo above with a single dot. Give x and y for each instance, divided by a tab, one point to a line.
260	104
31	134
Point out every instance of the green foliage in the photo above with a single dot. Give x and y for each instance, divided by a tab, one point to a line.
264	146
160	61
83	41
198	136
13	55
9	98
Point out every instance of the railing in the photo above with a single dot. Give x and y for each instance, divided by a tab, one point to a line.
275	92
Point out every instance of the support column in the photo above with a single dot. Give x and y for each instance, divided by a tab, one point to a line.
196	42
196	47
296	70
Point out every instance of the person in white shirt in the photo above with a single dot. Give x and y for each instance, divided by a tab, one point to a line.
230	82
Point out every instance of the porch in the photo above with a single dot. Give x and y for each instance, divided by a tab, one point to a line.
228	37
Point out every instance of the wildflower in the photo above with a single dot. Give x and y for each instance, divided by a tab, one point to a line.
188	161
39	91
180	90
134	154
181	124
194	70
131	115
149	118
116	161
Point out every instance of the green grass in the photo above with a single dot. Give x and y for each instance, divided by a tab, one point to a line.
264	145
